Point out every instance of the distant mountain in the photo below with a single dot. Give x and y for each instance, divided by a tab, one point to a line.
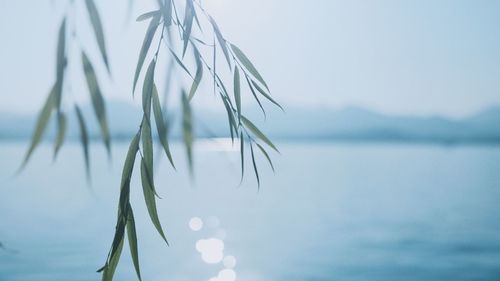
349	124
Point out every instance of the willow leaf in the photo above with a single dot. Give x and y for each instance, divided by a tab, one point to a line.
248	64
84	139
255	165
266	95
110	268
61	132
150	33
149	197
237	91
147	89
230	117
255	96
161	126
95	19
97	100
60	63
258	133
41	125
266	155
128	166
187	126
147	147
222	41
242	155
188	24
180	62
198	76
132	241
166	9
148	15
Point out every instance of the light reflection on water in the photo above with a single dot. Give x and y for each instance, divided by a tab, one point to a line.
332	212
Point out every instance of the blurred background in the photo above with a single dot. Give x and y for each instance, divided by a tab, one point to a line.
389	148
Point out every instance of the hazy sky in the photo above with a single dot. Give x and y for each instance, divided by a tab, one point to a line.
416	57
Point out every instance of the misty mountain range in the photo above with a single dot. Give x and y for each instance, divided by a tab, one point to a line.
348	124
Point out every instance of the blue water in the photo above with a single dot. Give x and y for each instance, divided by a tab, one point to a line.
331	212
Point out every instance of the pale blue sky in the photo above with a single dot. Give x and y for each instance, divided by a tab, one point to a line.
415	57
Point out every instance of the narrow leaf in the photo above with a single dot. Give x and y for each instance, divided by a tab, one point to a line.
198	76
255	96
242	155
84	139
41	125
161	126
97	101
180	62
222	41
258	133
132	241
148	15
266	95
149	197
147	89
153	25
248	64
237	92
254	165
109	269
147	147
188	24
266	155
95	19
61	132
187	125
60	64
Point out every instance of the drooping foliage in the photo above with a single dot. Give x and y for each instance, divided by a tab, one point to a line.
176	24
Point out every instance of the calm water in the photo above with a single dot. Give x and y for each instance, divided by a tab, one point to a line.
332	212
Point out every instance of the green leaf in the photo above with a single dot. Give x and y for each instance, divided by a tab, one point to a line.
147	146
198	76
97	101
150	33
84	139
161	125
60	63
237	92
230	117
109	269
166	9
248	64
266	155
180	62
147	89
242	155
254	165
148	15
267	96
149	197
61	132
41	125
255	96
222	41
187	125
95	19
128	166
132	241
188	24
258	133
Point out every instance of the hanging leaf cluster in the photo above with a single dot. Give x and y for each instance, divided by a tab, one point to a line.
179	37
54	102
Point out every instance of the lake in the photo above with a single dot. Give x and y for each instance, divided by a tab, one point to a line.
332	211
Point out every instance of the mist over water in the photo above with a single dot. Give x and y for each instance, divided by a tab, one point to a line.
331	212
